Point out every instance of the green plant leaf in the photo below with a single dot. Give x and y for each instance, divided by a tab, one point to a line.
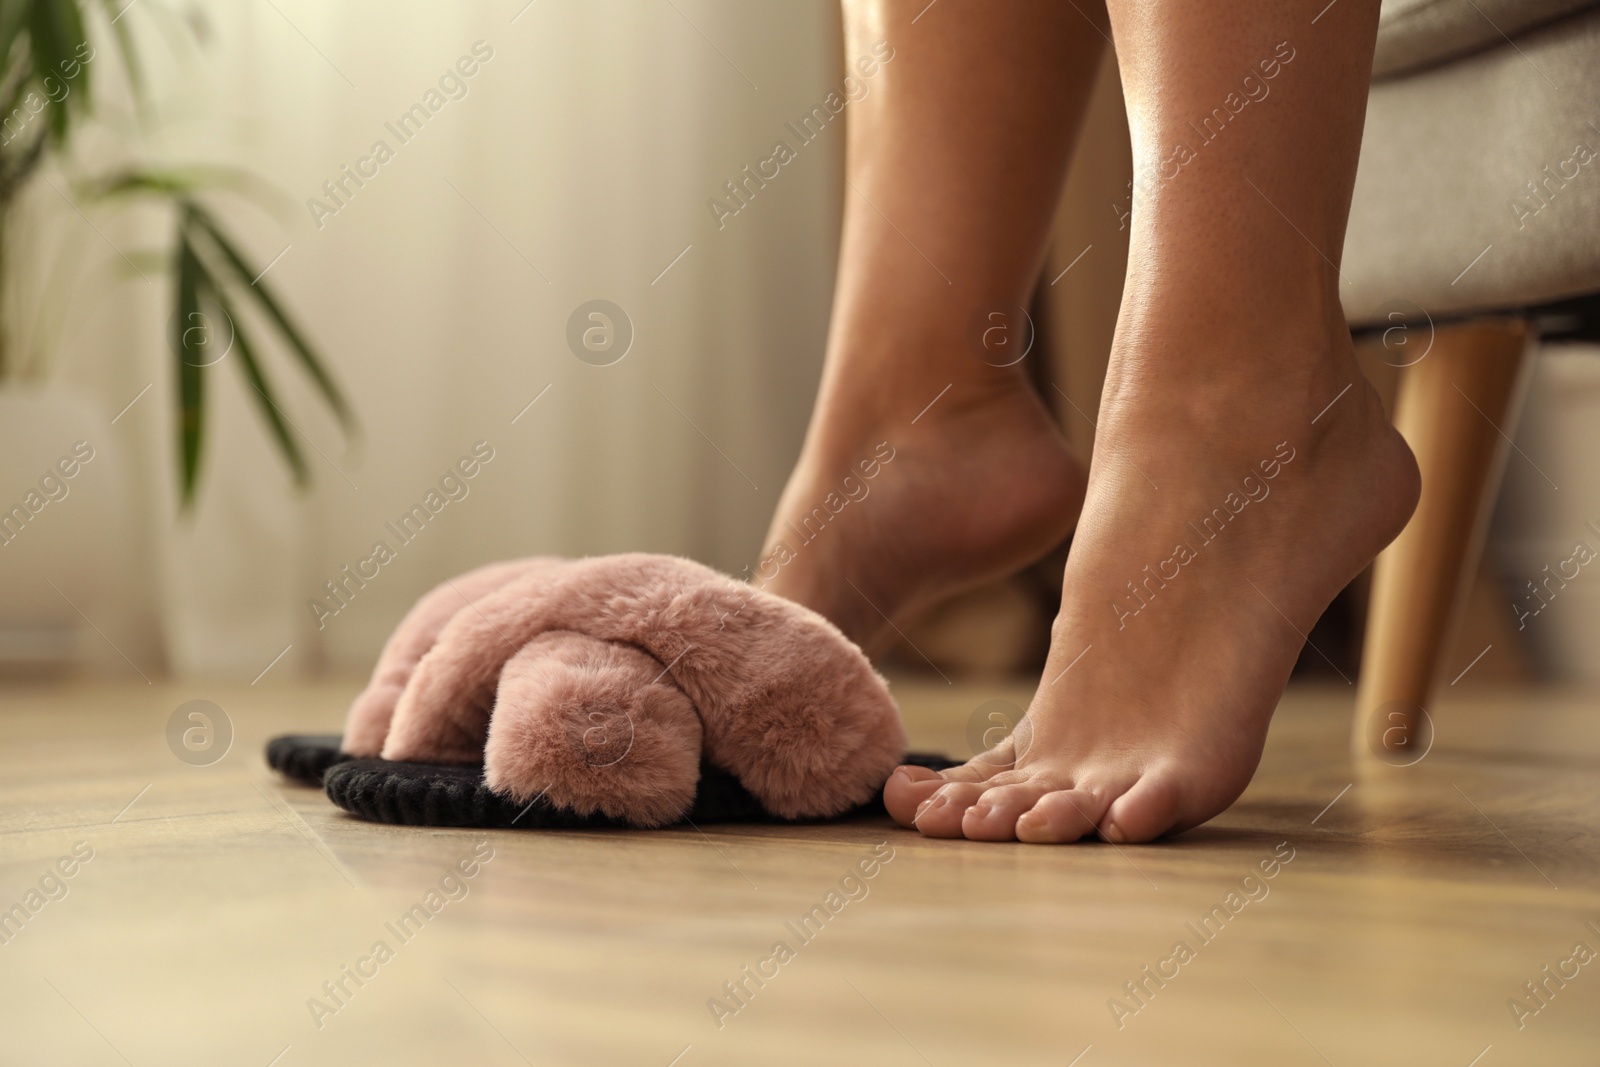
174	182
259	386
13	13
202	239
269	305
57	39
189	347
45	53
68	20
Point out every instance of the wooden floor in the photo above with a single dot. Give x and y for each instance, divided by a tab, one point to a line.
219	900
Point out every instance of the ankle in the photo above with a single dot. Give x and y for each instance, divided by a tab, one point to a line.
959	335
1205	382
902	386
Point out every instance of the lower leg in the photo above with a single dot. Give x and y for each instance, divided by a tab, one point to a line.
1243	470
955	162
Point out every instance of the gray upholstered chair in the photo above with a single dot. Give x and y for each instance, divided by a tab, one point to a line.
1477	203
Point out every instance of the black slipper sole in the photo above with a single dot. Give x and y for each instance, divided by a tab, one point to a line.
435	794
304	757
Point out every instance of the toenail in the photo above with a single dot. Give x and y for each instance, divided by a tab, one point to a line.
980	811
1112	832
933	803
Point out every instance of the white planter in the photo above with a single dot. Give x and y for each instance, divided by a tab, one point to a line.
62	516
229	594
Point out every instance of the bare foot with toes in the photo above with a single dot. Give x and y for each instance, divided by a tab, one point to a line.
1243	470
1185	607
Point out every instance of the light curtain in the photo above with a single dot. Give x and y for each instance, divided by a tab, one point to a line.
534	157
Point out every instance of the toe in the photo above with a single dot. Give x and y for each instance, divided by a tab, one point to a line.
1062	816
1145	812
999	759
906	790
909	787
940	815
994	816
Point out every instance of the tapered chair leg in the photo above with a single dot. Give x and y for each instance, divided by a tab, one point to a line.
1456	408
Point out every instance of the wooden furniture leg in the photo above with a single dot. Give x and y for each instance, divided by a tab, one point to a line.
1456	408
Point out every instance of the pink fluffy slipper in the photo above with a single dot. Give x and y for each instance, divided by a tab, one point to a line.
608	686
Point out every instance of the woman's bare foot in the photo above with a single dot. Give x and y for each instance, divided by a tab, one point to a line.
946	219
1185	605
896	505
1273	476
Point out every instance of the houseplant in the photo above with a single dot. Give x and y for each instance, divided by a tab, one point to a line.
46	60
